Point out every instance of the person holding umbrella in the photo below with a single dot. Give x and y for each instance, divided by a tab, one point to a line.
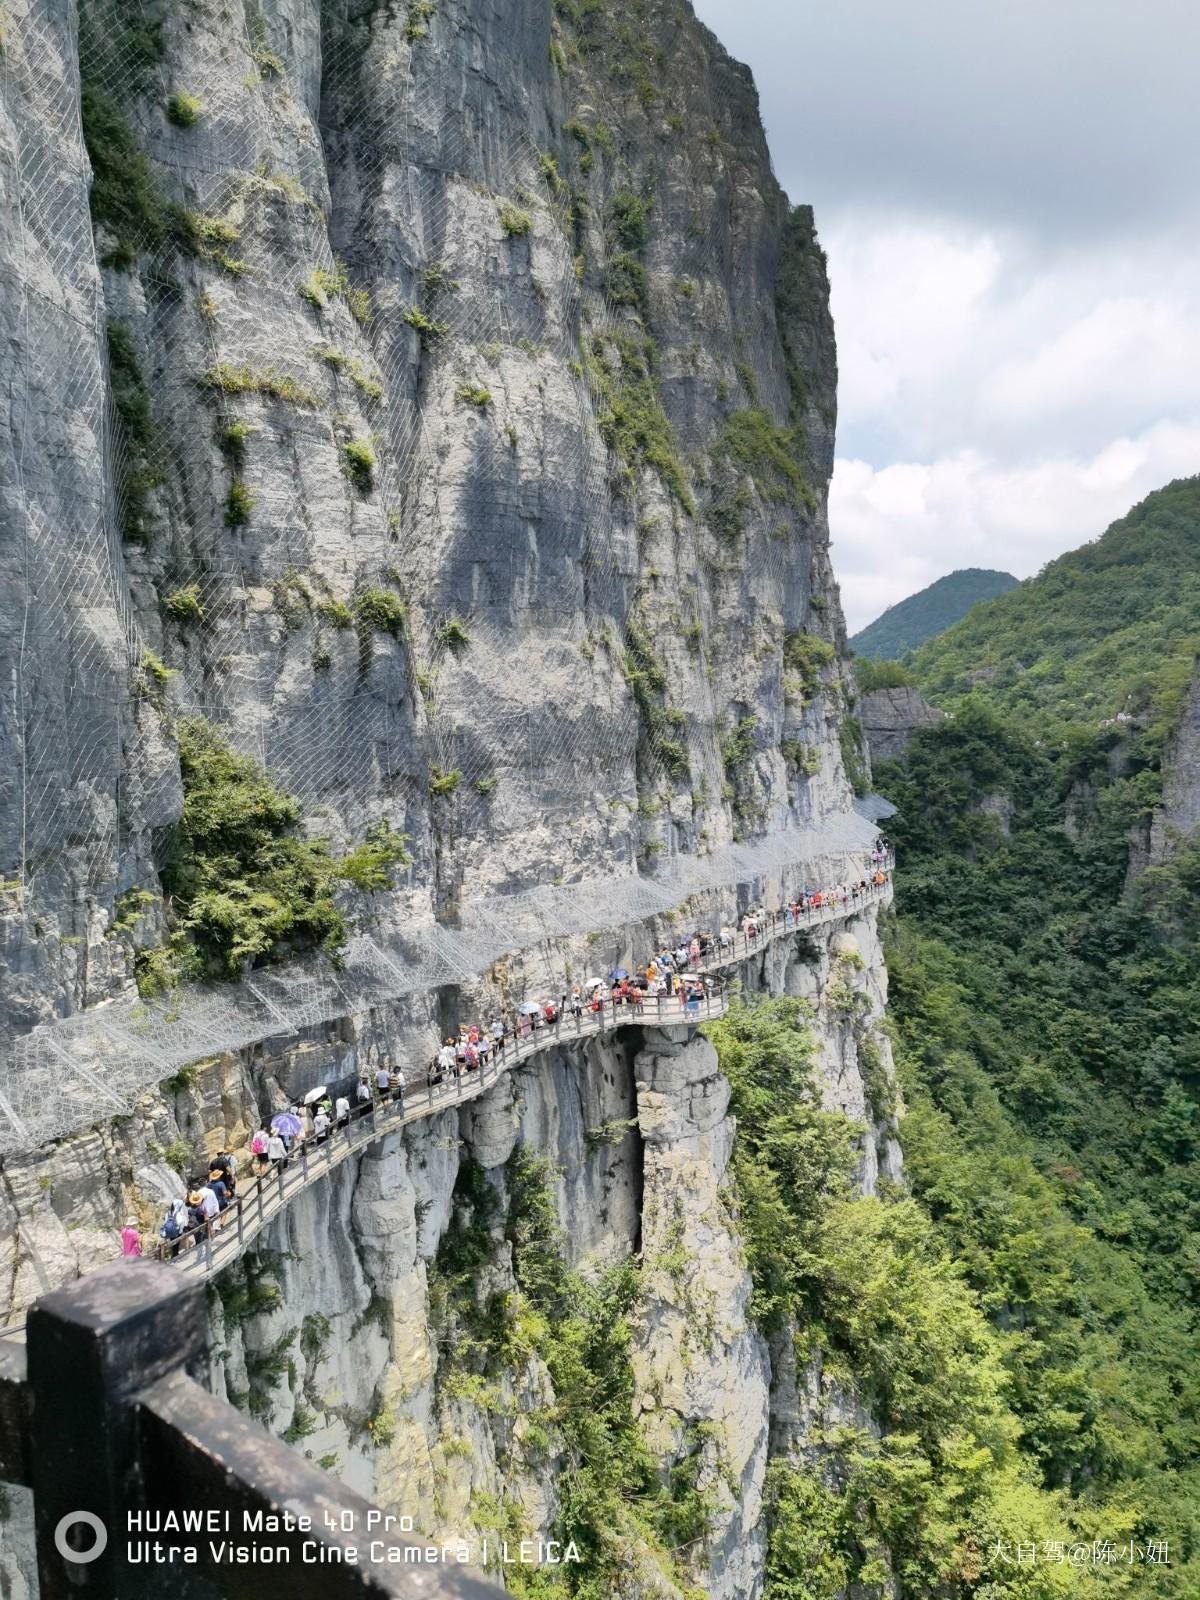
285	1125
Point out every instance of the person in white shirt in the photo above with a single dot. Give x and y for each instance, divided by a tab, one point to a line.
320	1125
276	1151
341	1109
446	1056
363	1092
381	1080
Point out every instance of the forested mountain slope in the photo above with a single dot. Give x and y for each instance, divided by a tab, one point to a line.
921	616
1111	627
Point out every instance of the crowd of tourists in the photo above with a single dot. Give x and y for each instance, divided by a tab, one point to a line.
673	974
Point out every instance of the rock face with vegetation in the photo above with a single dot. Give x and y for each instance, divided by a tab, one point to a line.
435	405
419	425
891	715
545	1318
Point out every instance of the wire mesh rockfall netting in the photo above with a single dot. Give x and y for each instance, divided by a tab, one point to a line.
65	1075
265	342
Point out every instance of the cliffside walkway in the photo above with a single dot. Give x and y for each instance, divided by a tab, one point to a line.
260	1200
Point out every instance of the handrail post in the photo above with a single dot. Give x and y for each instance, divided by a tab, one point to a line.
241	1228
92	1347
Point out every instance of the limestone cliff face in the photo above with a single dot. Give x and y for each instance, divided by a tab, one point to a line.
1153	841
890	717
535	265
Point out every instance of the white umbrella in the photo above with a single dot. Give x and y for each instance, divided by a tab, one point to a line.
315	1094
593	983
529	1009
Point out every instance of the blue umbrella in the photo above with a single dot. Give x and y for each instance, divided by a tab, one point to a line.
617	974
286	1123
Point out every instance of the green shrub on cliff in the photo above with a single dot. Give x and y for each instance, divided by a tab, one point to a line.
244	884
125	199
624	385
141	466
368	866
184	109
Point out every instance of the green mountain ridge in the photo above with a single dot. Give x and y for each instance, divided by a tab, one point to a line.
909	623
1108	629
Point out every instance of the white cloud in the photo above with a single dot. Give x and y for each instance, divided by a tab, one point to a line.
908	299
955	338
1131	350
997	407
897	528
1007	197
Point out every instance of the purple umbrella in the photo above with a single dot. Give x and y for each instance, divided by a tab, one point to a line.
286	1123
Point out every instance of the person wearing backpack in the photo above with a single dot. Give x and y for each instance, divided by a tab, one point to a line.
258	1148
174	1224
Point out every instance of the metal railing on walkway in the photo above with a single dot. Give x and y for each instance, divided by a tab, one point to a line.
212	1246
208	1249
101	1416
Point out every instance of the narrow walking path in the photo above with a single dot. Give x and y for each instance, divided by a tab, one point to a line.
260	1200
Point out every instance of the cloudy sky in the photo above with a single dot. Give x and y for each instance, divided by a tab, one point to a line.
1009	196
